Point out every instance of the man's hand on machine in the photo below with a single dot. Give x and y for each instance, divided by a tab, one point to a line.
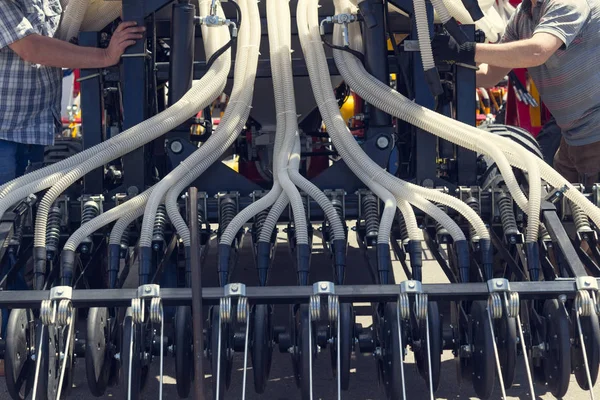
447	50
126	35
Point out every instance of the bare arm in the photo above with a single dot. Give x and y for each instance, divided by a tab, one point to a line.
519	54
489	75
38	49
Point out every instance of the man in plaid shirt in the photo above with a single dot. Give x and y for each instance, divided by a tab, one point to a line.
31	77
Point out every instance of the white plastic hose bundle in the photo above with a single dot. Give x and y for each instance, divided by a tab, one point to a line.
294	163
100	13
387	99
71	20
202	93
135	205
285	105
226	133
347	146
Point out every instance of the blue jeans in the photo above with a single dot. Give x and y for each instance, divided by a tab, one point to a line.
14	159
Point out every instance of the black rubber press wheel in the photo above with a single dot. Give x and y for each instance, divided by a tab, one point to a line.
346	344
435	341
261	345
591	337
556	362
303	346
506	341
184	355
98	358
484	370
392	354
19	368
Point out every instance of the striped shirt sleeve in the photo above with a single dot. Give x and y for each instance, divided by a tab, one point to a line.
563	19
511	33
14	25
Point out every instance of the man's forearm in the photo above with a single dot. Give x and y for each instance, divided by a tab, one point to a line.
519	54
38	49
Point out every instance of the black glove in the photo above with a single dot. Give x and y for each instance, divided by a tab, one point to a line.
447	50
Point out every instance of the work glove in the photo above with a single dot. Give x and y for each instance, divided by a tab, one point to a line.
447	50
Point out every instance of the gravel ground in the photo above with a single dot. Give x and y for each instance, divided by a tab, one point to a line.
363	384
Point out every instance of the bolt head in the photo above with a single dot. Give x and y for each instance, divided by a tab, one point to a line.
234	287
411	285
587	282
147	290
323	286
382	142
59	292
176	146
499	284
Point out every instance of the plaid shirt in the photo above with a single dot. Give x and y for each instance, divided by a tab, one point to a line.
29	94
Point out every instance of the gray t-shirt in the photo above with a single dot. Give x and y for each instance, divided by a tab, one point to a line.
569	82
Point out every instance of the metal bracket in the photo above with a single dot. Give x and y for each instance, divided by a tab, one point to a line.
235	290
411	287
586	283
148	291
498	285
323	287
411	45
61	293
557	194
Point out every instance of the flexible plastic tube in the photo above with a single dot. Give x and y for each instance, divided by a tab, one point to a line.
119	228
201	94
226	133
420	9
273	217
135	204
341	136
72	18
314	192
392	102
281	64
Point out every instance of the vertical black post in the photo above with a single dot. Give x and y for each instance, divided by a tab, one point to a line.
198	319
181	68
376	55
465	87
92	109
426	143
135	97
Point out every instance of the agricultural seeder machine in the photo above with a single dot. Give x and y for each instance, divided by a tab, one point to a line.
336	114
